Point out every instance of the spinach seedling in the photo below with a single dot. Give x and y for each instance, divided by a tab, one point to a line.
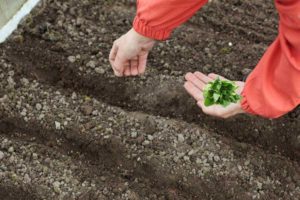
221	92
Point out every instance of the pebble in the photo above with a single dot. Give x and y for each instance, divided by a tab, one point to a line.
24	81
191	152
56	187
95	112
38	106
24	112
99	70
79	21
3	99
57	125
216	158
146	142
240	168
176	159
186	158
72	59
11	159
34	156
27	179
47	160
1	155
11	82
259	185
180	138
210	156
133	134
74	96
150	137
11	149
91	64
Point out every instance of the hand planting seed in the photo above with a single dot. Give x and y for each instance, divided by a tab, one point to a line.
220	92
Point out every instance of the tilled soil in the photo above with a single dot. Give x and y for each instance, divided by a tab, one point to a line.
69	129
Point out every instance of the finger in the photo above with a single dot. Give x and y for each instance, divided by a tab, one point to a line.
113	52
117	73
134	66
200	103
215	76
112	56
127	69
142	63
120	62
195	80
203	77
195	92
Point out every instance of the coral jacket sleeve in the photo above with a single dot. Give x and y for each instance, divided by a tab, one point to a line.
273	88
158	18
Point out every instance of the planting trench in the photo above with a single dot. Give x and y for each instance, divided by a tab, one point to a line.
137	138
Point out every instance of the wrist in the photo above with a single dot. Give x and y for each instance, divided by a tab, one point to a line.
140	38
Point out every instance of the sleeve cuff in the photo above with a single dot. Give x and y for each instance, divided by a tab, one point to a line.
142	28
245	105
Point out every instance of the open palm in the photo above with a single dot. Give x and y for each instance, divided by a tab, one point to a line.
195	84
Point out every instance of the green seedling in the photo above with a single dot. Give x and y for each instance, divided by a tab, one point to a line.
220	92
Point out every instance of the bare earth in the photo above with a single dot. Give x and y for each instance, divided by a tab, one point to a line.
69	129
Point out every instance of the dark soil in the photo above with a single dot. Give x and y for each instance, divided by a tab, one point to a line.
78	132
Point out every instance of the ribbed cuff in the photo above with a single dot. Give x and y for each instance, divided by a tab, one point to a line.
150	32
245	105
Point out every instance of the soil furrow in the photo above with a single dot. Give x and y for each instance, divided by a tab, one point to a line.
69	129
150	95
170	158
40	171
255	21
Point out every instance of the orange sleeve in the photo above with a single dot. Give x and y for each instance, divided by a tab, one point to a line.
273	88
157	18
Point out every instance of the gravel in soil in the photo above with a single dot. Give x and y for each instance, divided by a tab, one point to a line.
69	129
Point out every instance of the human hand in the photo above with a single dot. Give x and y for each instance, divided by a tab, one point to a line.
128	56
195	84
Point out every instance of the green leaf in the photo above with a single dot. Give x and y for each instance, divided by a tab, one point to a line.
220	92
208	102
216	97
226	103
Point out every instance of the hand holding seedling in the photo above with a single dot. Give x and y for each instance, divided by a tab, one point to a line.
220	92
198	83
128	56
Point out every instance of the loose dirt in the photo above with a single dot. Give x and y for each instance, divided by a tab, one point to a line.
69	129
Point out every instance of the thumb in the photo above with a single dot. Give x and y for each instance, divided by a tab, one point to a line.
119	63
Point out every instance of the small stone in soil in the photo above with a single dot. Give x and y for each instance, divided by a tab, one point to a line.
57	126
72	59
133	134
38	106
91	64
180	138
27	179
11	149
99	70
